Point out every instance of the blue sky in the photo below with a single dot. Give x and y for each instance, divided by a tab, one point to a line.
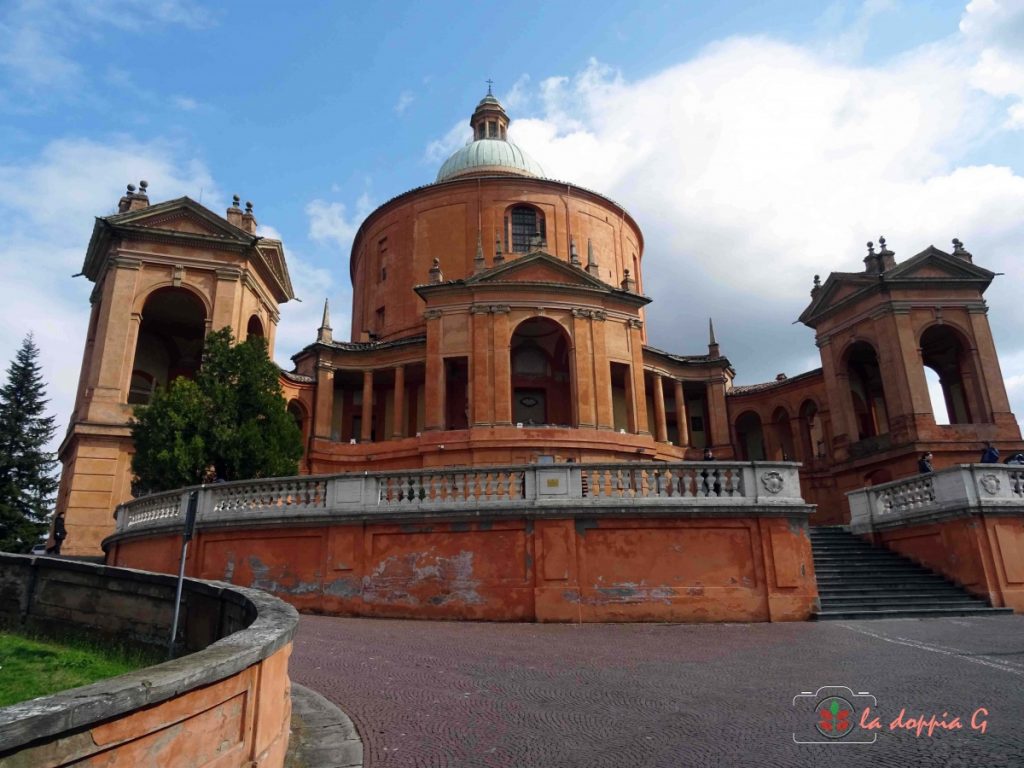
756	144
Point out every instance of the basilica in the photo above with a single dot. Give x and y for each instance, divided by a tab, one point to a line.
498	318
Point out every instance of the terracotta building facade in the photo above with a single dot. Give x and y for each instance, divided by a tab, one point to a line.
498	319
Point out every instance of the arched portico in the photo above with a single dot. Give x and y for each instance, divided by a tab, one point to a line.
541	375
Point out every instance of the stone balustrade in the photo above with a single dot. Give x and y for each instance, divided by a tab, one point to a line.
730	487
964	489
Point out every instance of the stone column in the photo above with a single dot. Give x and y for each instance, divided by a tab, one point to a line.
129	360
119	287
502	391
681	415
639	391
398	404
367	432
323	415
227	298
434	384
583	372
837	389
986	362
481	400
660	423
717	418
602	373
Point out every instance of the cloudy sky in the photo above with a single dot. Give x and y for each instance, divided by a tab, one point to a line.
756	144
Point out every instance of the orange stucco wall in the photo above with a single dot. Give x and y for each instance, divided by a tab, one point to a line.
622	569
243	720
984	554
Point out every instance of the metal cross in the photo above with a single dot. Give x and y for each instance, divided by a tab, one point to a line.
489	84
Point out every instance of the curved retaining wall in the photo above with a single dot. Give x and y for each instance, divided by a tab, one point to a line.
636	542
224	704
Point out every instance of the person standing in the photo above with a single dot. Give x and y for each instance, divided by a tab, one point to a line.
990	455
924	464
59	534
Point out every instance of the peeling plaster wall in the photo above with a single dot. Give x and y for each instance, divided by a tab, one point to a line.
984	554
518	569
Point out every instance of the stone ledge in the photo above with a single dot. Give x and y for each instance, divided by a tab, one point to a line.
323	736
271	628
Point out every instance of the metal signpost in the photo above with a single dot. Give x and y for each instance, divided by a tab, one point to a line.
190	525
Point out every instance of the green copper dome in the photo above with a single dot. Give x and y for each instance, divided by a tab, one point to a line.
489	155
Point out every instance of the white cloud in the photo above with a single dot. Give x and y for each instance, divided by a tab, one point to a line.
48	204
330	222
439	150
39	41
405	99
994	30
757	164
185	103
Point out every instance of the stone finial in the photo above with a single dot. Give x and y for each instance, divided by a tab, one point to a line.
960	252
234	214
628	283
713	351
816	287
886	258
325	334
479	265
133	200
592	267
249	222
499	257
574	256
436	276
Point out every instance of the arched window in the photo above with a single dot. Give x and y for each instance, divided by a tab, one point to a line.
750	437
523	225
298	413
866	391
170	342
541	381
783	436
943	353
255	327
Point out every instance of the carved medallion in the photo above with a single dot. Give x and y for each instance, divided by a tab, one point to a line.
990	482
772	482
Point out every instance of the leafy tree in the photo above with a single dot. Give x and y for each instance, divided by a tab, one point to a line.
28	480
232	416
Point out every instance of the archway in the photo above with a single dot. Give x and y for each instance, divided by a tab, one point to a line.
255	327
784	449
867	394
812	435
541	377
170	342
298	413
943	352
750	437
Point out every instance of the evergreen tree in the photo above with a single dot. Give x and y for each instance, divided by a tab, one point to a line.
28	479
232	416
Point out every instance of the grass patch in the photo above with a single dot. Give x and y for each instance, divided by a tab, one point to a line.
31	667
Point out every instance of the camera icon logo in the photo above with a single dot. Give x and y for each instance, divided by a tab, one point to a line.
831	715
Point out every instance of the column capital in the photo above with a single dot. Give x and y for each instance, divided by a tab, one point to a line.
634	323
229	273
501	309
125	262
431	314
480	309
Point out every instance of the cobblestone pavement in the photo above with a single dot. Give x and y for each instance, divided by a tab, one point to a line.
476	694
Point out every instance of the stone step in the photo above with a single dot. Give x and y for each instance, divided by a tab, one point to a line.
907	613
909	598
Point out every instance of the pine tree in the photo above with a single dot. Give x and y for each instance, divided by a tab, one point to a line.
28	479
232	416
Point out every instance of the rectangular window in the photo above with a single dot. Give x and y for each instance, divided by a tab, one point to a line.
379	327
382	258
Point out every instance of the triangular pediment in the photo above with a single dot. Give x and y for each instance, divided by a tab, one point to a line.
182	216
928	267
537	267
935	263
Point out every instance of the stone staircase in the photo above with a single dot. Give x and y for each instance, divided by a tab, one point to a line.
859	581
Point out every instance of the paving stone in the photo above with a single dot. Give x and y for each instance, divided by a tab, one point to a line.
489	694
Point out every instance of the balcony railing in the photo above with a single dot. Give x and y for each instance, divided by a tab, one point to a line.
732	487
962	489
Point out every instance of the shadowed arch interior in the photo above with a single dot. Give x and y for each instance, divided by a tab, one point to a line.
866	390
541	377
170	342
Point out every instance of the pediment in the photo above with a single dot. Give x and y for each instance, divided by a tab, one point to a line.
934	263
538	267
181	216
